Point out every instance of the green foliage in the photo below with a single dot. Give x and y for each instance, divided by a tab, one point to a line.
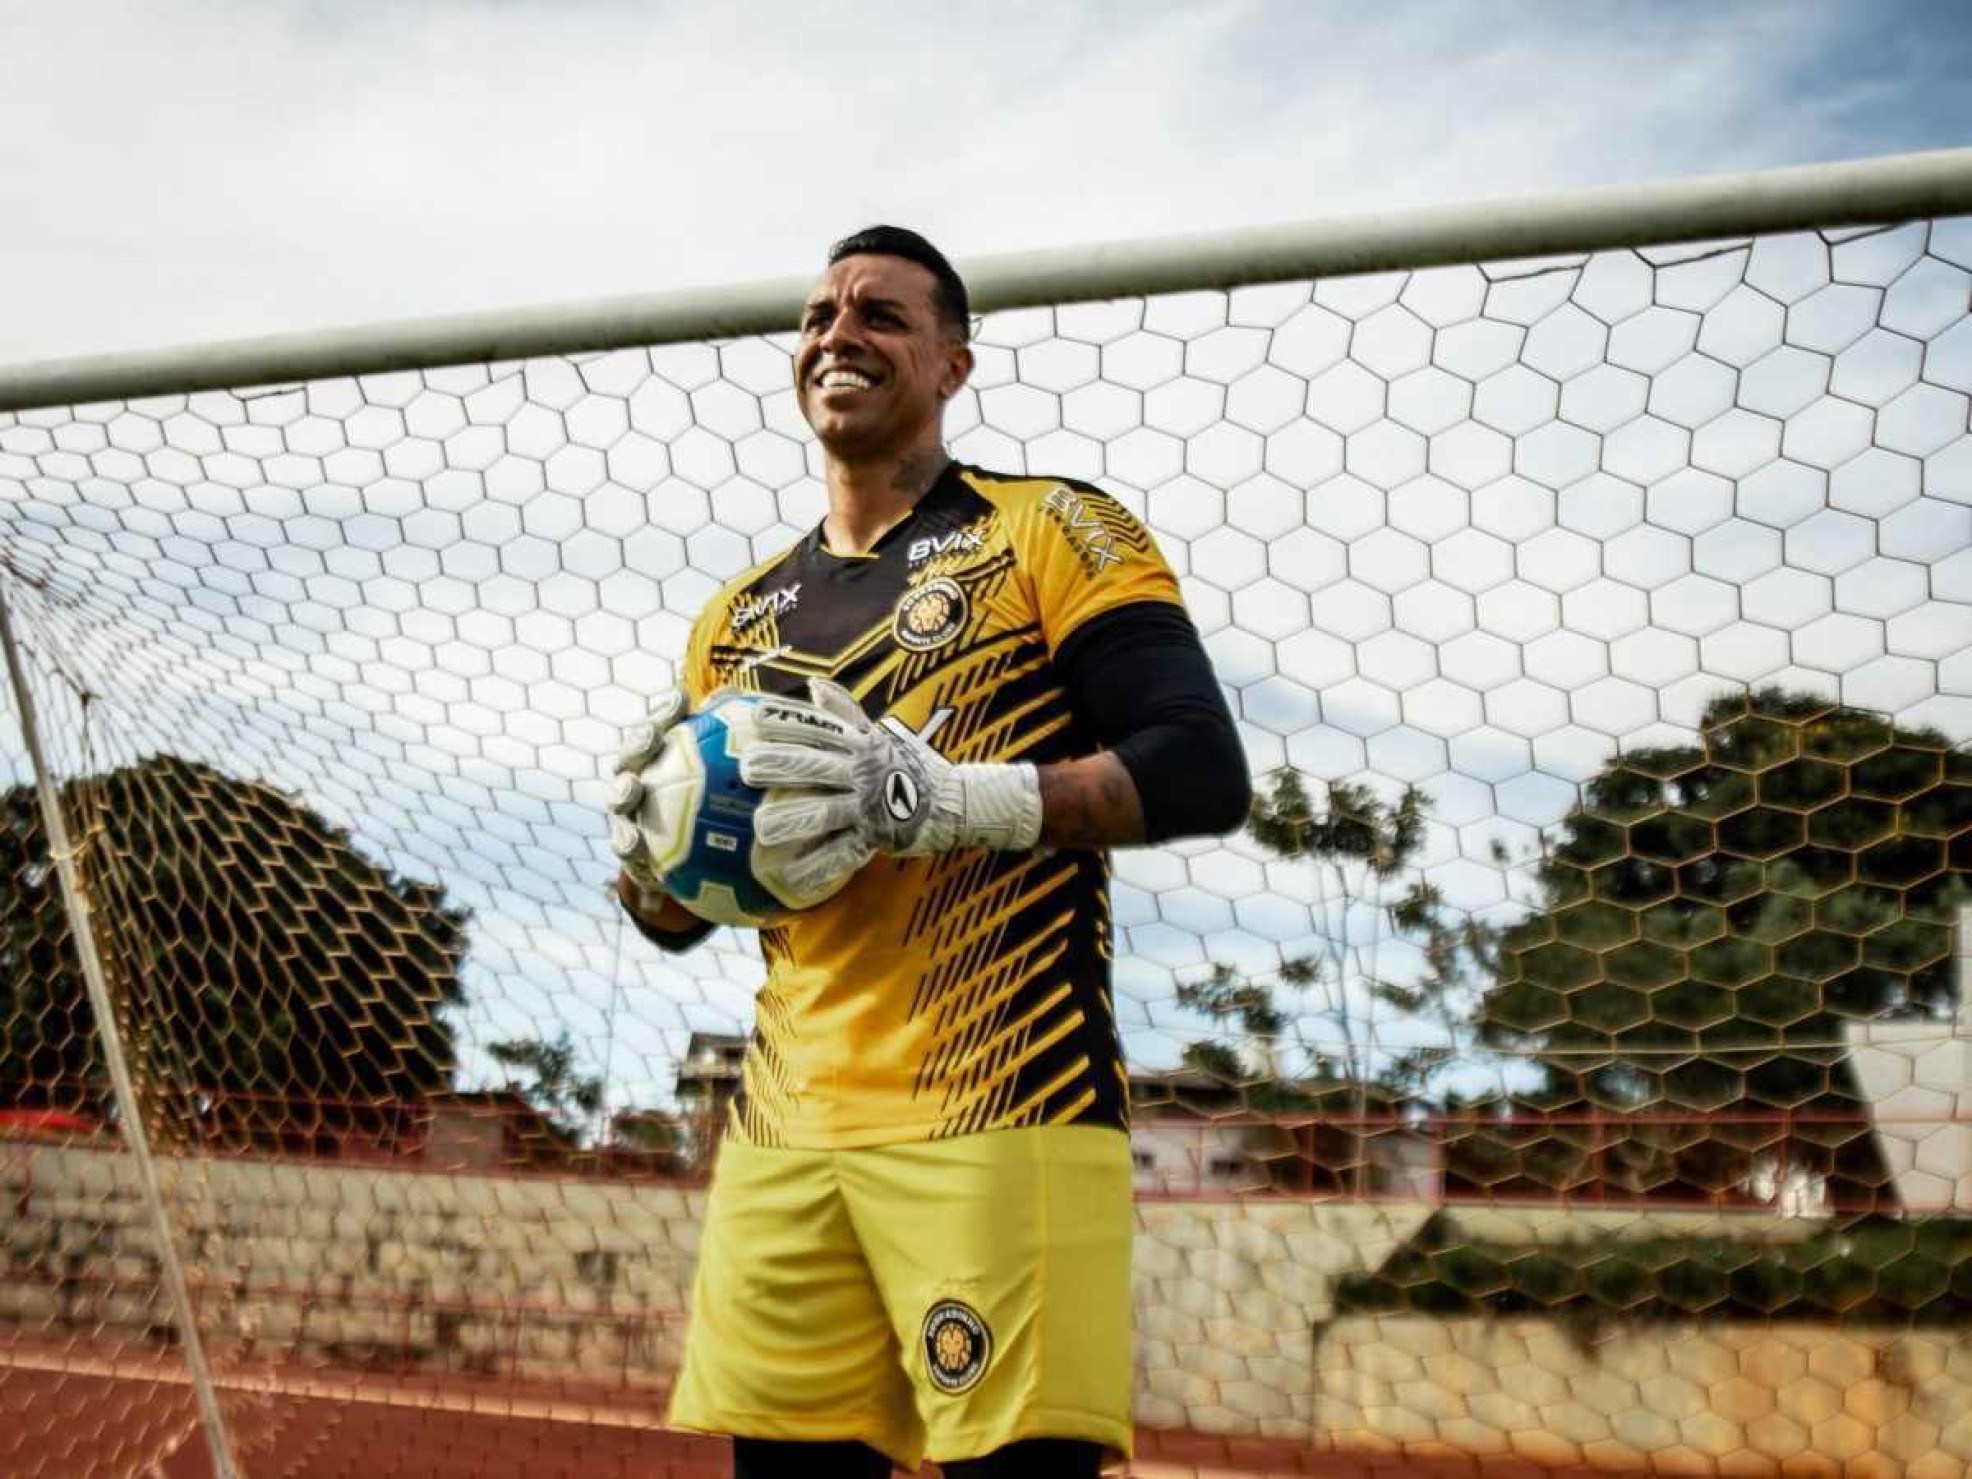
1362	847
1712	913
1215	1059
262	966
1226	996
568	1099
1917	1273
1356	825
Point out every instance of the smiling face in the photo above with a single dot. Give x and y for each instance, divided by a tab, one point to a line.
876	363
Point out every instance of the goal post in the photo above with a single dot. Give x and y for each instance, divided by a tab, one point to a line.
1817	196
1569	1064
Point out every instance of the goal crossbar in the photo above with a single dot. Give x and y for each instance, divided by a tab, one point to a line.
1847	193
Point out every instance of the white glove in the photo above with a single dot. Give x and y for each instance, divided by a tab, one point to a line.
802	873
852	783
631	806
799	874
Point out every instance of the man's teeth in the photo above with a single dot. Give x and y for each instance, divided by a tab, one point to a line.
835	378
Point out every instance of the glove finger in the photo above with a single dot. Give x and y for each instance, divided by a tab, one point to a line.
626	839
822	872
789	816
767	765
668	708
642	741
791	720
832	698
625	795
803	874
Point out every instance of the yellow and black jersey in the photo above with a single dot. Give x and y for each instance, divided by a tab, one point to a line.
970	991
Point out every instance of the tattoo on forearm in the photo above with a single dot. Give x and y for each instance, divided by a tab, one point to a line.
1090	803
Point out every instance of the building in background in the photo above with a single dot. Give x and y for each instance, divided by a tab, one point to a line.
1917	1076
489	1130
708	1080
1193	1134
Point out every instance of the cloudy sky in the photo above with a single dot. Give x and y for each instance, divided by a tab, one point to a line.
183	170
187	170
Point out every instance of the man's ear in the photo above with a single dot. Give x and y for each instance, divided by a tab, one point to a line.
958	370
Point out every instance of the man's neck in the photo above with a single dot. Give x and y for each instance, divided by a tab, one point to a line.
868	499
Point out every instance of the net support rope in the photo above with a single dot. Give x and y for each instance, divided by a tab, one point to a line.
76	905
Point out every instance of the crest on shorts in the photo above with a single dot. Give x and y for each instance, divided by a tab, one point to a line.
930	615
957	1346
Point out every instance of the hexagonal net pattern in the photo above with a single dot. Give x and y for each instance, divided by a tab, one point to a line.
1571	1045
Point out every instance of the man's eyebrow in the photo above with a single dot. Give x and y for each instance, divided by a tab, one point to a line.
865	300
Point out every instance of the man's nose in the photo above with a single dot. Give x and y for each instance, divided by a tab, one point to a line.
841	331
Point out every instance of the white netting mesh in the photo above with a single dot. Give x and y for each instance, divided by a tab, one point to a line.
1596	555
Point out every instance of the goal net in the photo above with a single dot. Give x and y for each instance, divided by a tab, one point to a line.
1569	1062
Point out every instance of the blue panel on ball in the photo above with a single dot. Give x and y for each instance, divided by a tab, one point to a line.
720	856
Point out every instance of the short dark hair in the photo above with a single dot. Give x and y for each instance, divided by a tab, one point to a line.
950	299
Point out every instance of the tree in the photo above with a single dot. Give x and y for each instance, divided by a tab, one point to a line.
568	1099
651	1141
271	981
1226	996
1364	849
1711	914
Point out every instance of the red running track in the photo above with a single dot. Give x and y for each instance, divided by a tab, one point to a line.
65	1424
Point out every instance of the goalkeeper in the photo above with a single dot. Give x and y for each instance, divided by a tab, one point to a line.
917	1241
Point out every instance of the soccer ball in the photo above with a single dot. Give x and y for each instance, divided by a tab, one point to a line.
701	842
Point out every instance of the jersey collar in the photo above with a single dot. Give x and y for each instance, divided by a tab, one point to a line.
942	488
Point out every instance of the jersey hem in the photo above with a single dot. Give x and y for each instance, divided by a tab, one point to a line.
878	1136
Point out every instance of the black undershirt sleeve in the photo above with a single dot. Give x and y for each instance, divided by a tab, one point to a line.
1142	684
673	940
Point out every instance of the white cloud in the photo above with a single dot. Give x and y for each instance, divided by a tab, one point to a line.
191	169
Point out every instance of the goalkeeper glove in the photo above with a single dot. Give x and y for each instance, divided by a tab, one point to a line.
631	806
799	874
852	783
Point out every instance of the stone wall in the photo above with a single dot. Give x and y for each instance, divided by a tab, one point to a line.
1749	1400
585	1281
1227	1295
525	1275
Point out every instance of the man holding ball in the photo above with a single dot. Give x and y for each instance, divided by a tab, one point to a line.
917	1241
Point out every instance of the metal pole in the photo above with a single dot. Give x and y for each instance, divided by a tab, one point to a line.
76	905
1851	193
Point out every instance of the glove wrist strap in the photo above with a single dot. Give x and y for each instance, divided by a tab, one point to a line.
1001	805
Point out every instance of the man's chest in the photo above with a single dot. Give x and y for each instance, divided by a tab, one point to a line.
935	600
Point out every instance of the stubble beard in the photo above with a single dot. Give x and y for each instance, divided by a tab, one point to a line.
916	459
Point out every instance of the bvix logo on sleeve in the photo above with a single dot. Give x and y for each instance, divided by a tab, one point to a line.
749	609
930	615
1091	538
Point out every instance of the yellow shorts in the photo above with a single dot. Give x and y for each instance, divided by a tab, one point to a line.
936	1299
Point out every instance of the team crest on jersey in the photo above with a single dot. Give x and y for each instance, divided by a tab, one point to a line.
957	1346
930	615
